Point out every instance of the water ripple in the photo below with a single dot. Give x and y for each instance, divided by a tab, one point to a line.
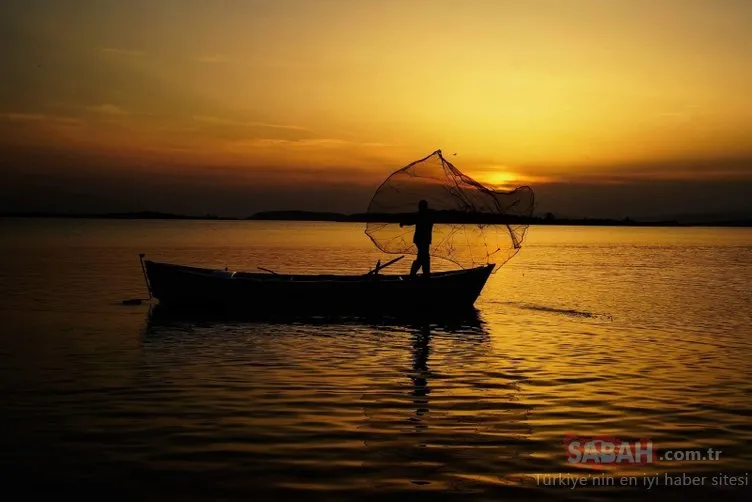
592	332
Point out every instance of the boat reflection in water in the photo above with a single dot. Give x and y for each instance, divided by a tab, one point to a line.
421	351
389	403
163	317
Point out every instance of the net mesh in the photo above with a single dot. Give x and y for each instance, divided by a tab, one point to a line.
473	224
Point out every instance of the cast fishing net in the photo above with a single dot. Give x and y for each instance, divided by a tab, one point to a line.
473	224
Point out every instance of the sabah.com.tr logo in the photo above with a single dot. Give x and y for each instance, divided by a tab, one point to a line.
612	450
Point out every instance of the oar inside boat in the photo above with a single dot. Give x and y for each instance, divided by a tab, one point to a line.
380	267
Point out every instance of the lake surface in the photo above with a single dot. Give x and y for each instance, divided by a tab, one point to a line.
635	333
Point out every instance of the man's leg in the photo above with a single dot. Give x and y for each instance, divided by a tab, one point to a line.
424	260
416	266
419	261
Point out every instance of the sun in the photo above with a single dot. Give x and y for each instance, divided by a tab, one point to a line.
502	178
499	179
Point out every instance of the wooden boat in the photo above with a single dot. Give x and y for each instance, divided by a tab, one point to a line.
184	286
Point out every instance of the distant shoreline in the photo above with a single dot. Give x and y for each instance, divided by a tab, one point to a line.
448	217
141	215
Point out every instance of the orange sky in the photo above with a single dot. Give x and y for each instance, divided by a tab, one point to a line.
303	90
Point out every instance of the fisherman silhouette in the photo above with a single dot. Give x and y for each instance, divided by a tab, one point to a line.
423	221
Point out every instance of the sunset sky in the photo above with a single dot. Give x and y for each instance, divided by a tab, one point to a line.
607	108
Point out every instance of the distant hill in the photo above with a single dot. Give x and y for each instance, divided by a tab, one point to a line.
139	215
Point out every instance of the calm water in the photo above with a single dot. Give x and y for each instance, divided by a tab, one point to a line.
635	333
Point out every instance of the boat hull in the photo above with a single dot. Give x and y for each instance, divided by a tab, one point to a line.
177	285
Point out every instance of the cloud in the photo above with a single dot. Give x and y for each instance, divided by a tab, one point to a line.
698	170
41	118
240	123
109	109
122	52
24	117
304	143
319	154
309	143
79	181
